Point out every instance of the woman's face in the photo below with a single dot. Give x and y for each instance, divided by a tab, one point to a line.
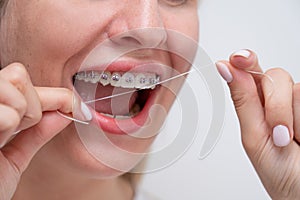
53	38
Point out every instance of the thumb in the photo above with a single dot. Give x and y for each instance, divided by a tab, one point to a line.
21	149
247	102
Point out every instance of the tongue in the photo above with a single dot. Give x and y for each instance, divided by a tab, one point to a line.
119	105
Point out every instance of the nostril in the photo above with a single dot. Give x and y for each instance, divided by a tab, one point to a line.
141	38
131	40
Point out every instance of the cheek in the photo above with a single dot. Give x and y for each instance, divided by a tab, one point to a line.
57	33
184	33
49	33
186	23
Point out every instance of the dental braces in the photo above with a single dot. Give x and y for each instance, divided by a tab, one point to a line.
117	79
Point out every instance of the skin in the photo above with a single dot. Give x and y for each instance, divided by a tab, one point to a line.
261	106
50	45
49	49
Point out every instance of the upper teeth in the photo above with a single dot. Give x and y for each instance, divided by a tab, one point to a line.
117	79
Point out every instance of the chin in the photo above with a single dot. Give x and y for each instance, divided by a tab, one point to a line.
91	153
123	128
68	152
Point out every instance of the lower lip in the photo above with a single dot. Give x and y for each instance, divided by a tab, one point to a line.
125	126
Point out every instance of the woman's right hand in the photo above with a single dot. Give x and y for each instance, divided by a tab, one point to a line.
30	110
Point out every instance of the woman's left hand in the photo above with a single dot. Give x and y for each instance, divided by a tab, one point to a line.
268	108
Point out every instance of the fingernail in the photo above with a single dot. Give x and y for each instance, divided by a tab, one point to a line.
86	112
244	53
281	136
224	72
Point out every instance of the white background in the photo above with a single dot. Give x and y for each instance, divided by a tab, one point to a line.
272	29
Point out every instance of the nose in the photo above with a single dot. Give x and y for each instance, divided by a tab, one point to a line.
139	24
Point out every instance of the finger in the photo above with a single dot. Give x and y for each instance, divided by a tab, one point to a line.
278	96
17	75
24	146
55	99
63	100
9	121
296	106
12	97
247	60
247	104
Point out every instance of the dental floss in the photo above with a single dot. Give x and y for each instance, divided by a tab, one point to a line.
72	119
159	83
208	144
263	74
111	96
167	80
260	73
132	91
120	94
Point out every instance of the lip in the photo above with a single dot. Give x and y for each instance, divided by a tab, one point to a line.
125	126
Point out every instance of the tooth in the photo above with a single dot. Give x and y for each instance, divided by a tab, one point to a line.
108	115
80	76
140	81
133	112
153	81
77	76
150	81
122	117
115	79
127	80
94	77
105	78
156	81
116	116
86	76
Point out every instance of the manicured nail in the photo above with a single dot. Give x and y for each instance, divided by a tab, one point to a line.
244	53
224	72
86	112
281	136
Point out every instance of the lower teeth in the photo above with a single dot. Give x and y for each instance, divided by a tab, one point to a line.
133	112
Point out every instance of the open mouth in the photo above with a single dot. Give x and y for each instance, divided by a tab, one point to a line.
120	101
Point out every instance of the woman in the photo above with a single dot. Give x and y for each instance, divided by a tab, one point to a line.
51	39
